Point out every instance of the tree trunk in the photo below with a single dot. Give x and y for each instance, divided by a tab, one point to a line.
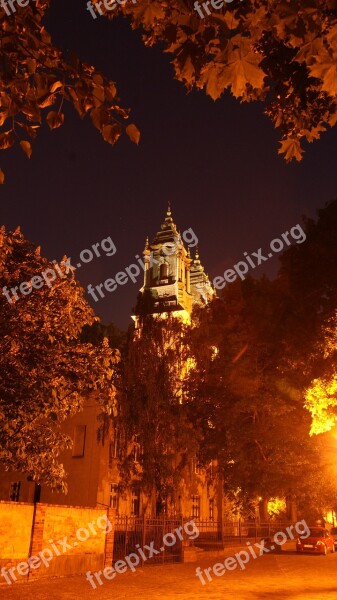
292	509
263	510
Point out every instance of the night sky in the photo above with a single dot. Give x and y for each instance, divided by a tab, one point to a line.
216	162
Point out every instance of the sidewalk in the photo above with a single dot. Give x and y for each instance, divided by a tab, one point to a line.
288	546
263	579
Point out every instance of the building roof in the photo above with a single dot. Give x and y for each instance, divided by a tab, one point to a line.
168	231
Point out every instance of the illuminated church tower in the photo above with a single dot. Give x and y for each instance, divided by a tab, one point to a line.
173	281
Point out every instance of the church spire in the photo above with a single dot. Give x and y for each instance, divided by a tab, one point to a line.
146	251
168	231
201	288
168	218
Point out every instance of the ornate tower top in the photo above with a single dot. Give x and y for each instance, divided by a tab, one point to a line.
168	231
172	281
146	251
201	288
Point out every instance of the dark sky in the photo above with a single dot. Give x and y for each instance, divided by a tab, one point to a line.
216	162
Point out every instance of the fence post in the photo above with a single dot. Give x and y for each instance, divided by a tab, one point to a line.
143	535
163	546
126	536
109	538
182	543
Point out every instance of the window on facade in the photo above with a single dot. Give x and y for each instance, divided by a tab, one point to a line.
211	509
163	271
136	450
14	491
114	496
195	466
195	512
79	441
135	500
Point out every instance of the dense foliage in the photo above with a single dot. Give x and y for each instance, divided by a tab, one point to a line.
45	371
153	419
276	357
283	52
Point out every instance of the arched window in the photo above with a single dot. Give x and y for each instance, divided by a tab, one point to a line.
163	271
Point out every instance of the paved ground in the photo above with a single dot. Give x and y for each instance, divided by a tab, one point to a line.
271	577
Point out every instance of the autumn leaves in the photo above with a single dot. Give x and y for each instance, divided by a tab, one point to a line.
38	80
216	4
61	270
96	7
280	53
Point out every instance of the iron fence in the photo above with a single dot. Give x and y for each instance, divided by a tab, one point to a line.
214	534
133	534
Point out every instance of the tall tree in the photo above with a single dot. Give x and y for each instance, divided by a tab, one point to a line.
45	371
153	415
254	422
309	349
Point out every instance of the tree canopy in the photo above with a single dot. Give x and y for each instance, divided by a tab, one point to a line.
254	423
46	372
272	380
280	52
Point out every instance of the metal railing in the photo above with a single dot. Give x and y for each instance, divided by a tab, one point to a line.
133	534
235	533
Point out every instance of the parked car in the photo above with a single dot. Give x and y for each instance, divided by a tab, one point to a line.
319	541
333	532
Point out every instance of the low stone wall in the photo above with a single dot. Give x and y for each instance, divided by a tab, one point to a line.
16	524
45	540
